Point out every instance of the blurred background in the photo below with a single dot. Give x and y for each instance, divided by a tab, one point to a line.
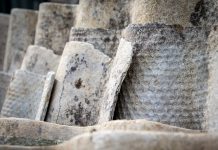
7	5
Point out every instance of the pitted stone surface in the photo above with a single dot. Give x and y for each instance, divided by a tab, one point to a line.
54	24
81	76
168	79
88	83
24	132
106	41
20	36
110	14
28	95
4	23
40	60
4	83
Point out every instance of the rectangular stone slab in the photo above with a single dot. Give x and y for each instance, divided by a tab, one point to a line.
4	83
21	34
4	23
168	79
28	95
54	24
106	41
88	83
40	60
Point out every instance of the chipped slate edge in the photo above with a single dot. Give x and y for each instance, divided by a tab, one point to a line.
119	68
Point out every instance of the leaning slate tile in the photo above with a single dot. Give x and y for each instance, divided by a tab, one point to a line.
4	83
20	36
4	23
81	76
54	24
168	79
40	60
28	95
106	41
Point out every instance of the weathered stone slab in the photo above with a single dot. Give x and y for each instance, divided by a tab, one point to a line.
20	36
169	12
40	60
87	80
54	24
108	14
34	133
81	76
168	78
4	83
4	23
106	41
28	95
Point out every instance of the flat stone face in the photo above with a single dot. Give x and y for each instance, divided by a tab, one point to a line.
81	76
40	60
168	79
54	24
169	12
28	95
21	35
4	83
106	41
108	14
4	23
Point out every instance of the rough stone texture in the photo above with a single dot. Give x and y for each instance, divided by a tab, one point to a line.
34	133
20	36
168	79
4	83
28	95
110	14
165	11
205	13
88	83
54	24
81	76
106	41
212	112
4	23
40	60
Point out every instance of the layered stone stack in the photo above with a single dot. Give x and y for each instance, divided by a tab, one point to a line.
72	68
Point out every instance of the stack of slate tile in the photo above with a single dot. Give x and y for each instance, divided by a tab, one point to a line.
68	70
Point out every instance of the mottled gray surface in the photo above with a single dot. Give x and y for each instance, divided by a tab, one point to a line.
54	24
40	60
66	1
4	23
168	78
106	41
4	83
28	95
81	76
20	36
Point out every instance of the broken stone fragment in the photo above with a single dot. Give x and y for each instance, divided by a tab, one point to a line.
168	79
28	95
34	133
4	23
21	34
87	80
40	60
106	41
110	14
54	24
4	83
169	12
